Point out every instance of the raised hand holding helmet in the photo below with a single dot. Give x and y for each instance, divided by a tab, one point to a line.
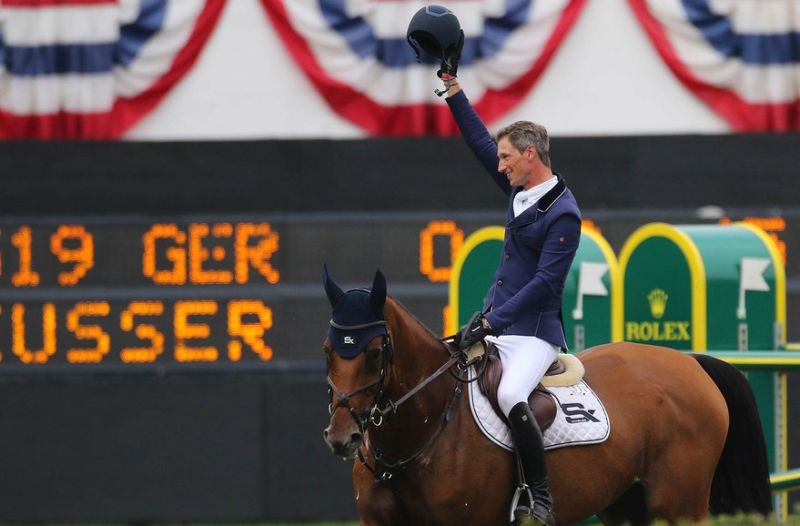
436	31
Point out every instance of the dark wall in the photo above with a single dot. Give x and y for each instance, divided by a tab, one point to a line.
182	448
392	174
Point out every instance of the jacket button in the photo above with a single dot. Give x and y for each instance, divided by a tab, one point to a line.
508	256
499	282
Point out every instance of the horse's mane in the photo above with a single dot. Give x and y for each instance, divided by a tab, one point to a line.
411	315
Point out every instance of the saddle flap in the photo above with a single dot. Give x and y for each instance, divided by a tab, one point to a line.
540	401
566	370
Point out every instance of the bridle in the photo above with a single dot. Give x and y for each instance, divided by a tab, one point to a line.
376	415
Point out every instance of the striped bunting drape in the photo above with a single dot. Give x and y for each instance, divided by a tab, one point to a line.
355	54
90	69
741	57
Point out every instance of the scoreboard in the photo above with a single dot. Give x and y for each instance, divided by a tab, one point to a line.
222	292
78	292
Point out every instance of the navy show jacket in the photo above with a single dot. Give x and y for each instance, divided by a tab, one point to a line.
538	249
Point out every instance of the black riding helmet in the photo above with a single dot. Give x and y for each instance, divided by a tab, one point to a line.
436	30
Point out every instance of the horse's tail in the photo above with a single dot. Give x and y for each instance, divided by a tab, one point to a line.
741	481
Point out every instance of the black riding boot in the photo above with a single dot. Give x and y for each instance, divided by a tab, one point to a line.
528	441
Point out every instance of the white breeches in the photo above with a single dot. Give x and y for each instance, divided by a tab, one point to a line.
525	359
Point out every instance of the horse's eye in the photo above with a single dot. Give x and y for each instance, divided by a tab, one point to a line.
373	358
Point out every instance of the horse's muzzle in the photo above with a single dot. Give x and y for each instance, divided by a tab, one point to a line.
343	442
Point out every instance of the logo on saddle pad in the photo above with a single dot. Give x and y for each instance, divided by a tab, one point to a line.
576	413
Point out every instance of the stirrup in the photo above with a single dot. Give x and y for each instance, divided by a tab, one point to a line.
533	514
522	489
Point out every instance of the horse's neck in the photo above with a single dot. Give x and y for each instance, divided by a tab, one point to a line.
417	356
417	353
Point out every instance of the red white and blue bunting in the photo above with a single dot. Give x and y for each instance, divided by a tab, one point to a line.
742	57
355	53
90	69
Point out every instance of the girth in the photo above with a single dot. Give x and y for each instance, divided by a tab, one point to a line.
540	401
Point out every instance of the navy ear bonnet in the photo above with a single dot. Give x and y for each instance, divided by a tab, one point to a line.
357	315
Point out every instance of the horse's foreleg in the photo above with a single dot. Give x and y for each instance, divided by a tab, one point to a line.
376	503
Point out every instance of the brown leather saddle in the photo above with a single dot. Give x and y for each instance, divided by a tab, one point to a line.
542	404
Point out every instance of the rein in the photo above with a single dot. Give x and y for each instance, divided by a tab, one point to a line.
380	459
391	407
386	467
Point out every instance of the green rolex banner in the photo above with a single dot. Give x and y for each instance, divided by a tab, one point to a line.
698	287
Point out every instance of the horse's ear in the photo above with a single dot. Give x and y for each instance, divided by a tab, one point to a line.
333	290
378	294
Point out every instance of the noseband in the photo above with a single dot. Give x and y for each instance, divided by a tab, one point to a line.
374	415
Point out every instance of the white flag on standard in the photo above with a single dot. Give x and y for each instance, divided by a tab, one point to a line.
590	283
751	277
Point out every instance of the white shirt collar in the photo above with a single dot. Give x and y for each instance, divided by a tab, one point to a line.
524	199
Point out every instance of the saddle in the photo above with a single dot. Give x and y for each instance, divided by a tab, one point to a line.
542	404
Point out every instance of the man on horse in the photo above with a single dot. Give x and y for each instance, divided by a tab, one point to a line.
522	313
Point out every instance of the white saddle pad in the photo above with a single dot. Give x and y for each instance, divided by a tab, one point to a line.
580	417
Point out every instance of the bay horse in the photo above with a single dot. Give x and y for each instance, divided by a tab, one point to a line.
685	435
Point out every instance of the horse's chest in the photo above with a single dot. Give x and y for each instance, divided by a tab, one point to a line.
446	501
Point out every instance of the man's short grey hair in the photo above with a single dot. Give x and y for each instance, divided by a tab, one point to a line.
522	134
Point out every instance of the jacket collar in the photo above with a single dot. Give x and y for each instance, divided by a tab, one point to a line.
552	196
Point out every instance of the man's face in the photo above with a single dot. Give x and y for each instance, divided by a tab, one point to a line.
517	165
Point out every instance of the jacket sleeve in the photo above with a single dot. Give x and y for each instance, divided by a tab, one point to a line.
477	137
558	251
